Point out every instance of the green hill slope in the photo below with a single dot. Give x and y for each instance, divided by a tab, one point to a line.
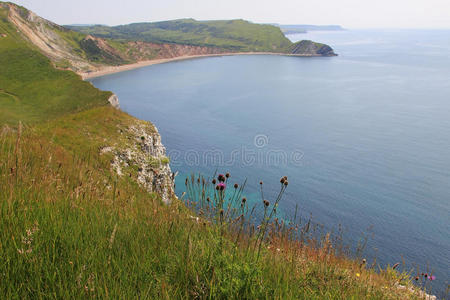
233	35
31	89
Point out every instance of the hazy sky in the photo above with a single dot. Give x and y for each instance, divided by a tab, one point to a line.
348	13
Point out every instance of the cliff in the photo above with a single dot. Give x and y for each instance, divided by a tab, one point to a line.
141	151
310	48
72	113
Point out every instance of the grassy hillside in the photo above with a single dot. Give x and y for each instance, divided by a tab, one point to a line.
234	35
72	228
31	89
88	48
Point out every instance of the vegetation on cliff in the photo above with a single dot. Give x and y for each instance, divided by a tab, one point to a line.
233	35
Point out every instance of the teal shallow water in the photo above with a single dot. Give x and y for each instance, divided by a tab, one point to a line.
364	137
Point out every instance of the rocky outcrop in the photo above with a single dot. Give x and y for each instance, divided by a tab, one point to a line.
310	48
114	101
145	154
139	50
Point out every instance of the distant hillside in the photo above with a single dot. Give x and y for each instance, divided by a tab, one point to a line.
79	52
87	49
233	35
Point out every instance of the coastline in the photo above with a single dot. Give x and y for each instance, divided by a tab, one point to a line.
117	69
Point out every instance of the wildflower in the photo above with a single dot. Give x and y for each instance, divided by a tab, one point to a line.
214	181
282	180
432	277
227	175
285	177
426	275
244	200
286	183
266	203
207	199
260	182
236	185
417	278
358	275
221	186
221	178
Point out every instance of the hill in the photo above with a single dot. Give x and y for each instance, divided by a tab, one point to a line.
31	89
86	49
228	35
82	53
233	35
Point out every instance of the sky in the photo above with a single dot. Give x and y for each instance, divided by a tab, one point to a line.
347	13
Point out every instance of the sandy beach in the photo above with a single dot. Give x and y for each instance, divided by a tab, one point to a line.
117	69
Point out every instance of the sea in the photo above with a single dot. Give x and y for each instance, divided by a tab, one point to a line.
364	137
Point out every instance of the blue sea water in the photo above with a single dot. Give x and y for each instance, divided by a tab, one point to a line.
363	137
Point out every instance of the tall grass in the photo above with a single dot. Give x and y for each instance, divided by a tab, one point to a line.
70	228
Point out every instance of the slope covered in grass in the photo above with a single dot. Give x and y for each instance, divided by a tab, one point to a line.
31	89
70	228
233	35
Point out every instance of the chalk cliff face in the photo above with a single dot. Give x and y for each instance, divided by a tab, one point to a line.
44	34
310	48
144	152
114	101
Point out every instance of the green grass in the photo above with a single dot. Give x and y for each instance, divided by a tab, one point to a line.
40	91
233	35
